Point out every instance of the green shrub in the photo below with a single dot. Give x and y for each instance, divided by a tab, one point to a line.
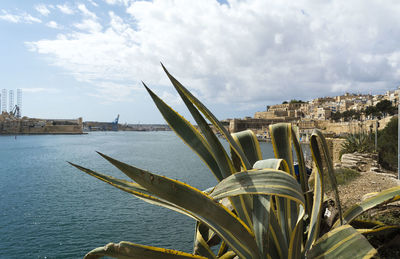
387	145
357	142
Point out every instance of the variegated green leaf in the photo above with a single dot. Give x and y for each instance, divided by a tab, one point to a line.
127	250
273	163
188	133
207	113
342	242
316	211
135	189
281	137
371	224
228	226
317	134
263	181
296	241
261	214
266	182
385	196
201	244
277	245
302	172
228	255
384	230
223	249
221	157
248	142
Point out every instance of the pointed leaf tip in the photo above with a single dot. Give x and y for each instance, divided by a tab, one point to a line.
103	155
145	86
74	165
152	94
164	68
78	167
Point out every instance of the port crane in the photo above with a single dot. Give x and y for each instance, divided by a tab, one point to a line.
16	112
115	124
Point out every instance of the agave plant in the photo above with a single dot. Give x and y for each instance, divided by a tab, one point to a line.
259	209
357	142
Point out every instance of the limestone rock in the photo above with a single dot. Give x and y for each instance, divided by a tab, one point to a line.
362	162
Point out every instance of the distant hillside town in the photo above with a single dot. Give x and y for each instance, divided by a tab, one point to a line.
336	116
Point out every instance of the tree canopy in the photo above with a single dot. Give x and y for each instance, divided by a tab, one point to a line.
387	145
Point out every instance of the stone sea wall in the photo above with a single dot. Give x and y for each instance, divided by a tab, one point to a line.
12	125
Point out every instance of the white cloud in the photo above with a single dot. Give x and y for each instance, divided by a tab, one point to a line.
65	9
113	2
86	12
278	38
243	52
39	90
42	9
93	3
18	18
9	17
338	87
53	24
114	92
89	25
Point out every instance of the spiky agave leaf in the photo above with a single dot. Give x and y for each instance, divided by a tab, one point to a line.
251	207
281	137
188	201
268	182
208	114
303	177
386	196
136	190
342	242
218	150
189	134
247	141
242	204
204	239
128	250
260	181
318	139
267	232
228	226
211	151
318	197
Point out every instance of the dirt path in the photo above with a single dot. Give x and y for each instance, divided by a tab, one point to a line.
352	192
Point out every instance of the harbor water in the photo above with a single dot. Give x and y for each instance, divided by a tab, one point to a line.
49	209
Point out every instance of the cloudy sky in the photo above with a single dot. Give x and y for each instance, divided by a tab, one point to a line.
87	58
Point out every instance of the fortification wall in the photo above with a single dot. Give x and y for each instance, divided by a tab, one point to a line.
352	126
334	146
10	125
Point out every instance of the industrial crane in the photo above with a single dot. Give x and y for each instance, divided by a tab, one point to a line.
115	124
16	112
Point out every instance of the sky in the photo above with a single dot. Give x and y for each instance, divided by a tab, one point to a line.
87	58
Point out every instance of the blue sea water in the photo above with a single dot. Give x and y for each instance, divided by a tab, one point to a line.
49	209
